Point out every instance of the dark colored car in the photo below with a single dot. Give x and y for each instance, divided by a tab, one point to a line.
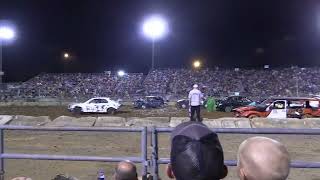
184	103
232	102
149	102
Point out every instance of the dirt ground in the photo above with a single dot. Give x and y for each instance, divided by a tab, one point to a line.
124	111
306	148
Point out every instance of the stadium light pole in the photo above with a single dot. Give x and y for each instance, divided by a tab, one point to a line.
155	27
6	33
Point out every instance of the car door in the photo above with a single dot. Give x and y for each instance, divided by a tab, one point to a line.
104	105
92	105
278	109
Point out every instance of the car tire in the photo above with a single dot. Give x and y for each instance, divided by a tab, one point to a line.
228	109
307	116
251	116
77	110
144	107
111	111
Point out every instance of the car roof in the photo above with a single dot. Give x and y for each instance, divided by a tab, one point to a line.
153	96
294	98
100	98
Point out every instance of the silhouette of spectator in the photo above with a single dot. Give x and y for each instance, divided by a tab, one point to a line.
196	153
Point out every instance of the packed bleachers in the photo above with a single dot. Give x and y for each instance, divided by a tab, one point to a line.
175	83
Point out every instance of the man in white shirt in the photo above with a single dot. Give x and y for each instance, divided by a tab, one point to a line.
195	98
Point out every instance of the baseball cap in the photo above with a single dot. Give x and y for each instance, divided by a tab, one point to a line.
196	153
195	86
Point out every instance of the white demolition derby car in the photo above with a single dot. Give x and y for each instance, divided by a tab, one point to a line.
95	105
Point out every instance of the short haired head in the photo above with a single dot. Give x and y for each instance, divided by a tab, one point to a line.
261	158
126	170
196	153
195	86
21	178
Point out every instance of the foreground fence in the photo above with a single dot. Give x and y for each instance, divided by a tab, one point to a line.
142	159
154	161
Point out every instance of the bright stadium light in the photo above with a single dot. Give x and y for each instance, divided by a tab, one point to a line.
121	73
66	55
197	64
7	33
155	27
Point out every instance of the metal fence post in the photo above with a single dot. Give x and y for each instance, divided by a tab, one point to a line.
1	152
144	155
155	165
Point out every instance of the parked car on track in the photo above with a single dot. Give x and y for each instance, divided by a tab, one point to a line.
184	103
95	105
149	102
232	102
286	107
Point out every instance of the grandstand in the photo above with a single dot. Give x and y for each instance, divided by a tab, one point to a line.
174	83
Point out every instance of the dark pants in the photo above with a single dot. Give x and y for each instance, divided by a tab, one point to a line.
195	109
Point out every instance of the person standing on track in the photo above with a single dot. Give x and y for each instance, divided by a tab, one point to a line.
195	98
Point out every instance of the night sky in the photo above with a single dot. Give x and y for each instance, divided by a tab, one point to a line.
106	35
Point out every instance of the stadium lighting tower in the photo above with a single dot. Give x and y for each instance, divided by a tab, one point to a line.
155	27
6	34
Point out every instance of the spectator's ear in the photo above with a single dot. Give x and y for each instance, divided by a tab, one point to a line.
241	174
170	172
225	172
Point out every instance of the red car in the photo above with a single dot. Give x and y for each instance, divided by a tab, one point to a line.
287	107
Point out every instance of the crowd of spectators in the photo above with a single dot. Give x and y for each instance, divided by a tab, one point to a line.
175	83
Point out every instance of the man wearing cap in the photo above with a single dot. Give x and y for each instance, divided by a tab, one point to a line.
195	97
196	153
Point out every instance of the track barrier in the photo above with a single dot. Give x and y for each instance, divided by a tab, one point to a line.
146	163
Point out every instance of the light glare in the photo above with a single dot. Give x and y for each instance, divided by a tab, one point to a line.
6	33
121	73
155	27
197	64
66	55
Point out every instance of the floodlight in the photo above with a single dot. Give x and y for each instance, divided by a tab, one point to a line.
6	33
196	64
155	27
66	55
121	73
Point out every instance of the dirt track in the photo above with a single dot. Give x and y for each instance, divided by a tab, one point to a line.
305	148
125	111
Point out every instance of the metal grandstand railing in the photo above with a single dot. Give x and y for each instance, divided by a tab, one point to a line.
155	160
142	159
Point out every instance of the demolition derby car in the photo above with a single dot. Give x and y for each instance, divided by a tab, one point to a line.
95	105
232	102
184	103
291	107
149	102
